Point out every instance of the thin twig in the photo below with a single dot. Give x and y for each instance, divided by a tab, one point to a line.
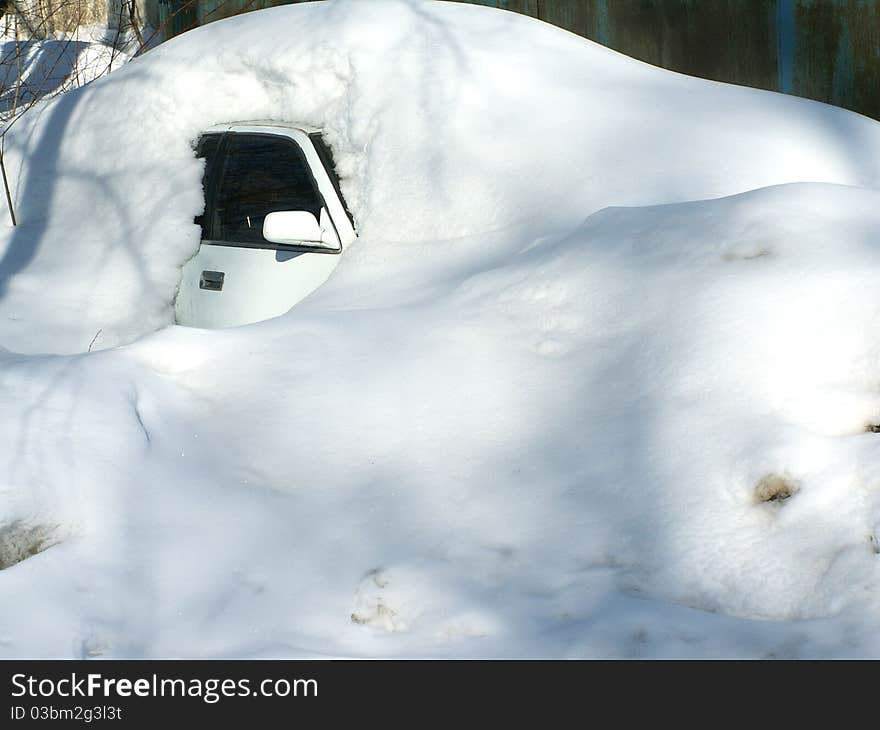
18	64
6	183
132	12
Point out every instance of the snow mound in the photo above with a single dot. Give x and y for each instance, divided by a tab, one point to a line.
446	121
599	377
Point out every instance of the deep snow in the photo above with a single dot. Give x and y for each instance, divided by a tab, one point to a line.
595	309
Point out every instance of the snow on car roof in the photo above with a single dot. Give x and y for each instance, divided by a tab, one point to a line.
264	123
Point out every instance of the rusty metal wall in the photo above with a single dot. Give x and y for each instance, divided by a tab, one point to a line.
822	49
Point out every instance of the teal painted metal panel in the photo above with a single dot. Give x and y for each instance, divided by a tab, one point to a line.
823	49
837	53
176	17
785	44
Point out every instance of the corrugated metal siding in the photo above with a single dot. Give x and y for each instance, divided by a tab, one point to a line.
822	49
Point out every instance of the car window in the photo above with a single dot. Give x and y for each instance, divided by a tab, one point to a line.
261	174
207	149
326	156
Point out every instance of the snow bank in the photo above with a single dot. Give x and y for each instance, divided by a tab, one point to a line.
31	70
545	405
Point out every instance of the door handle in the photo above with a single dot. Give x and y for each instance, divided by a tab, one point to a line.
212	280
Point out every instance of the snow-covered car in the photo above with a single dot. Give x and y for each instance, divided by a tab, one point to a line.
273	227
596	377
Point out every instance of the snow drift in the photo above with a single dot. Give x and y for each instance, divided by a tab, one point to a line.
598	378
446	121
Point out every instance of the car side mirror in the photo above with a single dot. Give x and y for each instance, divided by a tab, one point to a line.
292	227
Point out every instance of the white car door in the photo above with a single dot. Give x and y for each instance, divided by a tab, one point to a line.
242	272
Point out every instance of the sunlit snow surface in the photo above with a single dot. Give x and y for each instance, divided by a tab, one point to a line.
546	406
